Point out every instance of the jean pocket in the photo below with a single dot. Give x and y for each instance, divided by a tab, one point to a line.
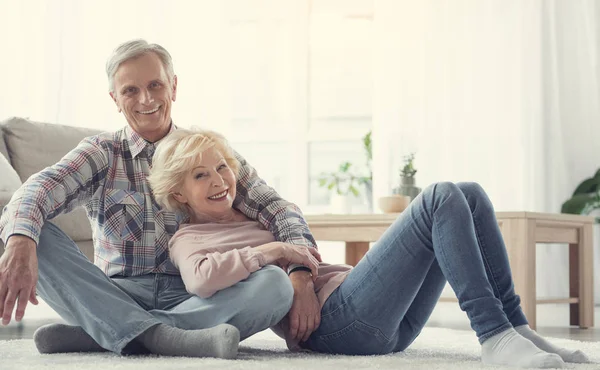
123	214
357	338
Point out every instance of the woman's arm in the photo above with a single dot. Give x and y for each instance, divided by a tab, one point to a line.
205	271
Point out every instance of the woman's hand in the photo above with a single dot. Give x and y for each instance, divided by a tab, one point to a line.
284	254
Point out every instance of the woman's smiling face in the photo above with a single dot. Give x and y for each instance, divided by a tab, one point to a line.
209	187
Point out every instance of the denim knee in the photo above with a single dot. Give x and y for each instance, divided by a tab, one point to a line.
476	196
52	237
471	189
273	292
442	189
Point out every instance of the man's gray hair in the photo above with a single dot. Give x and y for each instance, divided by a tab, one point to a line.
131	50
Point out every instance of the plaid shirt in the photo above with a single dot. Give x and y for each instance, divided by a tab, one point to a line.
106	174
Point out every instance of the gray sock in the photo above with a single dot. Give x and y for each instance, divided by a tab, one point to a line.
220	341
511	349
60	338
566	354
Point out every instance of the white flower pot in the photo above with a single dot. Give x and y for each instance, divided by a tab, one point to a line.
340	204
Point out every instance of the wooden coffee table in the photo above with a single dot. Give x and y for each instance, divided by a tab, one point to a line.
521	231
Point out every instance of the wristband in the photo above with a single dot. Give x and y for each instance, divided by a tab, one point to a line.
300	268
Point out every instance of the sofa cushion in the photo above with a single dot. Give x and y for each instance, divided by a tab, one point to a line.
9	179
3	149
33	146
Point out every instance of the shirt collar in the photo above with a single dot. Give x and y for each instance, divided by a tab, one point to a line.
138	143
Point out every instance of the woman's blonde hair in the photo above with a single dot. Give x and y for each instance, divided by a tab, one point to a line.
179	153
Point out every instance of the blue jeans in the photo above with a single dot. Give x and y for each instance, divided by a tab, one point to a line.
448	233
115	311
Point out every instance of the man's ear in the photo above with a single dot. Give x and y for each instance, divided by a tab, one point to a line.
113	97
179	197
174	87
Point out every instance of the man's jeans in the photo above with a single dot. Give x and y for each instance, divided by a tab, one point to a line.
115	311
448	232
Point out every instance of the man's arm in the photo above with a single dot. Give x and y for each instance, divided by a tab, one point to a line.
260	202
55	190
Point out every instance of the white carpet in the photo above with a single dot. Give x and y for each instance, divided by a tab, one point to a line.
435	348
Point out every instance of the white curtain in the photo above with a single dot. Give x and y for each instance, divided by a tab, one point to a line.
504	93
571	121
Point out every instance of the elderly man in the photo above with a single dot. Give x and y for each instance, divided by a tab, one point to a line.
132	298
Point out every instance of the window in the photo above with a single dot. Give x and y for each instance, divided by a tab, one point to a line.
300	93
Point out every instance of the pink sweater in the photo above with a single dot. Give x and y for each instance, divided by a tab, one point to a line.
215	256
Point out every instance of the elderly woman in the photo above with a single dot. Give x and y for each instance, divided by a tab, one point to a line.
449	233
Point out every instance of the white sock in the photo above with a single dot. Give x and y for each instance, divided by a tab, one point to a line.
566	354
510	349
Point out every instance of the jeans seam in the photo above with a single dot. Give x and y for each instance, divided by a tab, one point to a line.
485	259
155	289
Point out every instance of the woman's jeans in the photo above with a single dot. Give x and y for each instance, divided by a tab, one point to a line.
115	311
449	232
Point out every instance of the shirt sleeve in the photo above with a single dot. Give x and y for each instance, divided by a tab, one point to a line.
204	273
260	202
55	190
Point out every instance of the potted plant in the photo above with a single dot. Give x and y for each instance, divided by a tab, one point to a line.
407	178
345	183
585	198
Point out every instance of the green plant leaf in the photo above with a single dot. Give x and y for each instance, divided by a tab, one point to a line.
322	182
331	185
580	204
354	190
588	186
345	166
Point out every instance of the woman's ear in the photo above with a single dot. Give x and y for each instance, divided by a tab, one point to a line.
179	197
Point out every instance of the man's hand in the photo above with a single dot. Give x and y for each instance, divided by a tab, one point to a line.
18	277
305	314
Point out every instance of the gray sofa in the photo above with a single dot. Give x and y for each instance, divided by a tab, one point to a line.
28	147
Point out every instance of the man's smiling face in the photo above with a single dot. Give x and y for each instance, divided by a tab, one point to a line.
144	93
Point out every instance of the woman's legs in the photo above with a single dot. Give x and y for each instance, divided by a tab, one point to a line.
495	259
368	312
493	251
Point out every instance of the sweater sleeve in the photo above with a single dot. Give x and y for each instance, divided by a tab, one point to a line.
204	272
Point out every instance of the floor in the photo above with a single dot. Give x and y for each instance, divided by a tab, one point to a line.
552	319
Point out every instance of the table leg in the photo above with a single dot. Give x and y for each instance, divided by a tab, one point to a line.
574	283
519	238
355	251
581	279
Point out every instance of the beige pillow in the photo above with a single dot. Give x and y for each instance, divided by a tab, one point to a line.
9	179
